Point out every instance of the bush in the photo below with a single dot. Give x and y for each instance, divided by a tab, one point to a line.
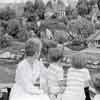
68	11
40	8
29	11
22	35
81	28
98	3
34	27
83	7
13	27
5	41
7	14
92	2
35	11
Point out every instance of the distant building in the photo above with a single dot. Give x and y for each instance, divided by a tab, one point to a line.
56	7
60	9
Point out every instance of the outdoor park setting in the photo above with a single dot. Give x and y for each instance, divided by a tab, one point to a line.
72	27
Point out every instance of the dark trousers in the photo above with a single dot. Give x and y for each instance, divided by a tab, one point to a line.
87	94
6	94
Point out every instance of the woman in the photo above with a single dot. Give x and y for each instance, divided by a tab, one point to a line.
28	75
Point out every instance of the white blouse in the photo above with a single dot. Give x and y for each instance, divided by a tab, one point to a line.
26	76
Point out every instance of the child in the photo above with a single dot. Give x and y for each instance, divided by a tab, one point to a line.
55	73
96	84
77	79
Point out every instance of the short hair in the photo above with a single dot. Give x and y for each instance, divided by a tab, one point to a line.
32	46
55	54
96	81
79	61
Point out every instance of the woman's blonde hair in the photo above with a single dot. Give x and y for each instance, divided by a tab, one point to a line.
79	61
33	46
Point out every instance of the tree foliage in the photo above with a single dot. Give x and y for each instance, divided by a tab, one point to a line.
83	7
29	9
98	3
22	35
34	11
81	28
13	27
7	14
5	41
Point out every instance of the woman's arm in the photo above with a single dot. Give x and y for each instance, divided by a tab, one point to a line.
44	78
24	79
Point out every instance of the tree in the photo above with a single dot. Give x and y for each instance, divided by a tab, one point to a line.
98	3
40	8
7	14
5	41
29	11
68	11
83	7
22	35
35	11
13	27
81	28
92	2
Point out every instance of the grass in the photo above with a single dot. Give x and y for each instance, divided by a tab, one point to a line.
7	73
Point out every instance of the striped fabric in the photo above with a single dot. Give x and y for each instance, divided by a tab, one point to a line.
55	74
76	79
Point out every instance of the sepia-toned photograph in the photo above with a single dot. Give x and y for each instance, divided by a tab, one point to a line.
49	49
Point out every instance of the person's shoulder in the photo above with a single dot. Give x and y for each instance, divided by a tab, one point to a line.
39	62
71	69
22	63
85	70
54	66
97	97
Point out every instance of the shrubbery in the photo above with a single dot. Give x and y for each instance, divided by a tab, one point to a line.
13	27
22	35
7	14
35	11
5	41
81	28
83	7
16	30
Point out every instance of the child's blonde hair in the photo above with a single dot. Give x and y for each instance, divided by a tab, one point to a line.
79	61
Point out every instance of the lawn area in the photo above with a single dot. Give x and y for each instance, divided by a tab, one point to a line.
7	70
7	73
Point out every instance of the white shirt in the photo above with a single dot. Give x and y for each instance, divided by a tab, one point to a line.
97	97
26	77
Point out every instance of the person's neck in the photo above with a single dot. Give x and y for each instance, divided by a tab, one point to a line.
30	60
57	63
